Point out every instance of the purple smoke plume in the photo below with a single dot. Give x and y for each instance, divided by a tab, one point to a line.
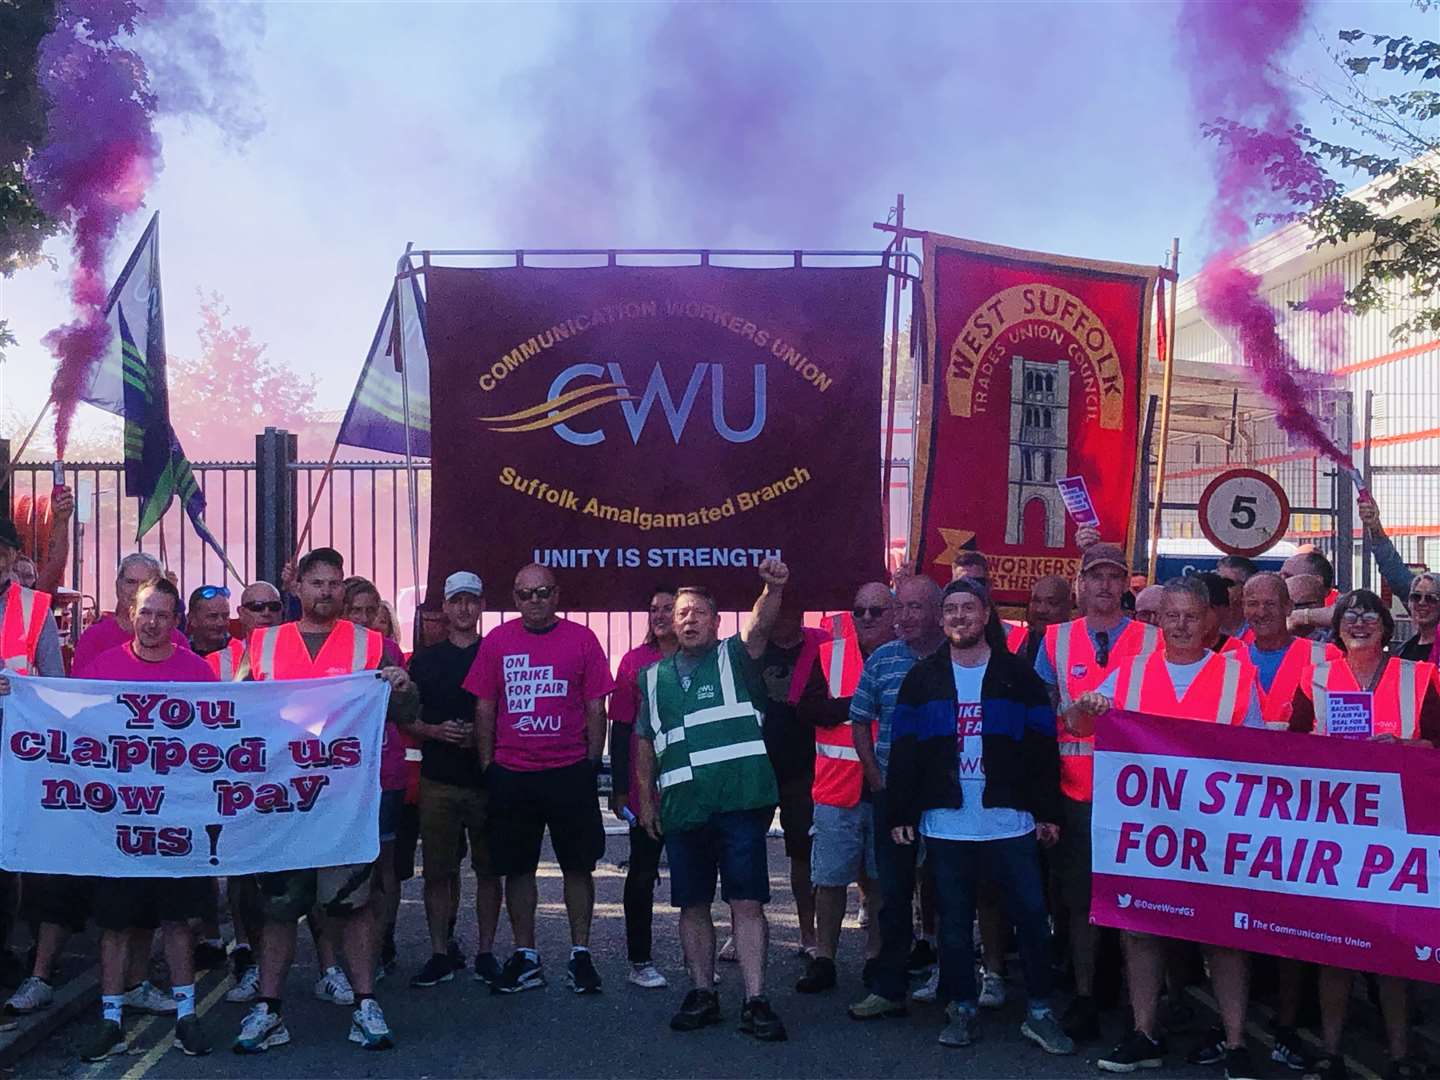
101	152
1232	74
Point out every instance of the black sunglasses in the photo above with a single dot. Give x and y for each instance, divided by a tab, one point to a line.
540	592
873	612
258	606
209	592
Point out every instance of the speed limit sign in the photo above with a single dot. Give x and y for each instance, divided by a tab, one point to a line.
1244	512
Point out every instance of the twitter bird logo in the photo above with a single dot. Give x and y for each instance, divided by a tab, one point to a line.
1423	952
1123	899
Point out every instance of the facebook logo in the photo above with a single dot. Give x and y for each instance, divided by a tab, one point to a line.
1242	921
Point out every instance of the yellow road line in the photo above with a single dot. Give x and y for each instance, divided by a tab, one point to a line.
156	1052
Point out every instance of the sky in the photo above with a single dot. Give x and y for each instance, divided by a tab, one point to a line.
1061	127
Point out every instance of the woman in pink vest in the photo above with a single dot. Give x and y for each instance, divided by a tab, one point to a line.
1404	707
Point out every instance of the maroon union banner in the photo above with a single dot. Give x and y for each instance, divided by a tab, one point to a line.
630	426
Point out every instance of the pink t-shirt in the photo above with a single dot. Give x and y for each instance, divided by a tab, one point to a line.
122	665
540	683
625	704
106	634
393	776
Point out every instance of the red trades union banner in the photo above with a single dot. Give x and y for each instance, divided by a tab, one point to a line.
629	426
1035	371
1319	848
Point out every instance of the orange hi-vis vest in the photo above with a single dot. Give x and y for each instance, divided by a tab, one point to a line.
838	775
1077	672
1301	655
1396	702
278	652
1220	694
1237	646
25	611
1015	635
225	661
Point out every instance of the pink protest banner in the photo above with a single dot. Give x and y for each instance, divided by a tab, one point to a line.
1317	848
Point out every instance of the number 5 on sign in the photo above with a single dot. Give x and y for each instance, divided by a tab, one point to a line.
1244	512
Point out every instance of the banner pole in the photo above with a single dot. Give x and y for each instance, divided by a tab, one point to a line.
315	499
14	458
1166	382
398	330
898	285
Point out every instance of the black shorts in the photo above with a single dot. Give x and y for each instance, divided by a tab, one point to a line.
407	838
797	815
57	898
145	903
522	804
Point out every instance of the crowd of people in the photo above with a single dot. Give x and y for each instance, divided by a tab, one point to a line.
919	747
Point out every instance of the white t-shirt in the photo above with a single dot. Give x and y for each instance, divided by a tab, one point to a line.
1181	676
973	820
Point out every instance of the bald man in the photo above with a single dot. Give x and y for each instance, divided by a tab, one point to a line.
1049	604
540	684
260	606
842	848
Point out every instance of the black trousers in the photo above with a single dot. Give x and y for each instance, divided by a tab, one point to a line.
640	879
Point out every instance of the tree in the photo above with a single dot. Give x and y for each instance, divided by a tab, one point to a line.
1386	102
231	390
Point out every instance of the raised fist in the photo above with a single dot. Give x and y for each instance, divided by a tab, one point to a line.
62	504
775	573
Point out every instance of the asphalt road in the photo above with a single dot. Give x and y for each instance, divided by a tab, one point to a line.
460	1029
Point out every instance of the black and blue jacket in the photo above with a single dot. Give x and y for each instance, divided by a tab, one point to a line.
1017	737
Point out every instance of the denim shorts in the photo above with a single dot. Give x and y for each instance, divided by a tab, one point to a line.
843	847
731	844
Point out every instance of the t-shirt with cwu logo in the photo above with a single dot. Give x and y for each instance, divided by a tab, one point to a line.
973	820
541	683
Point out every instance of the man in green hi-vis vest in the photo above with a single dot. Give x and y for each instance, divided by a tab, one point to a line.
701	743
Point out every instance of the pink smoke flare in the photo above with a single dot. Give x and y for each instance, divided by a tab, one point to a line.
101	153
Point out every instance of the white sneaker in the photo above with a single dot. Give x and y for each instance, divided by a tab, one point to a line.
727	951
260	1030
147	999
32	995
992	990
247	987
334	987
647	976
931	990
368	1027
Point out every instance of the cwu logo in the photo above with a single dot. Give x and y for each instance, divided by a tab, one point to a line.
565	403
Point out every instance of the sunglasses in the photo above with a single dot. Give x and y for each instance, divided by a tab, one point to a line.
210	592
1425	598
540	592
873	612
257	606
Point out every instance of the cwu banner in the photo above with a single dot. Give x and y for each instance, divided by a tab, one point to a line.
1035	373
1317	848
116	779
636	425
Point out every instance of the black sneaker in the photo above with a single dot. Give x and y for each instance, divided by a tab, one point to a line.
209	954
520	973
190	1037
922	958
700	1008
1210	1050
1136	1051
1081	1020
819	975
1287	1050
758	1019
105	1040
1406	1068
437	969
241	960
487	969
1239	1065
580	973
1328	1067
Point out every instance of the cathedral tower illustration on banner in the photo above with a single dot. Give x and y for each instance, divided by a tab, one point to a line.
1039	430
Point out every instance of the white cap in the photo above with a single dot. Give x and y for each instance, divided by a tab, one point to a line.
463	581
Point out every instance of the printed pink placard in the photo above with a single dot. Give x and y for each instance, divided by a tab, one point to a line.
1316	848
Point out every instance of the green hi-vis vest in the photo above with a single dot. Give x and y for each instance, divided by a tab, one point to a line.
709	749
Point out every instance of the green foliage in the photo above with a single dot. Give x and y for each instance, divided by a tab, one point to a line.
24	227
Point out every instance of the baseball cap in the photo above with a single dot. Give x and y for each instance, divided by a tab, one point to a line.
8	536
463	581
1104	555
974	586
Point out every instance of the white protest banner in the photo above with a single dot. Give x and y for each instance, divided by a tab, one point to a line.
1077	501
125	779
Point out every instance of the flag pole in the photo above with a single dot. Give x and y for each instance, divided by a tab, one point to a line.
1166	383
25	442
315	499
898	285
398	330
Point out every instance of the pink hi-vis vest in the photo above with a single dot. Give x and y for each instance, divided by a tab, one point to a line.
1396	702
278	652
1277	703
20	631
1220	694
225	662
838	775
